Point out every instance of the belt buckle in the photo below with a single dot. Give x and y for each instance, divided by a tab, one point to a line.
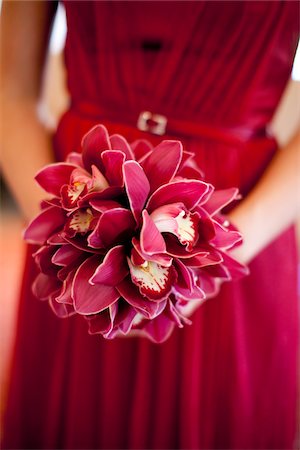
152	123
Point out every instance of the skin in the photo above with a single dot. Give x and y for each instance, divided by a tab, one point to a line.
272	206
25	144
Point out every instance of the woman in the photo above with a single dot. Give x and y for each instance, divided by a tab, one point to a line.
229	380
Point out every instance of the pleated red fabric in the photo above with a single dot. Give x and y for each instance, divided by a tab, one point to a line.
216	70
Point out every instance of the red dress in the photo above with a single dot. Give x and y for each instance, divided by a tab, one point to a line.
216	70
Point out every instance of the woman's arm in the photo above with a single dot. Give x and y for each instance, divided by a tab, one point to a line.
25	144
273	205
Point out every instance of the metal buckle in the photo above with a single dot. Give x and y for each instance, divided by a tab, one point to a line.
152	123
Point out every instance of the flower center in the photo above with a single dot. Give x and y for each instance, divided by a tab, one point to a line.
70	193
152	278
186	227
81	221
75	190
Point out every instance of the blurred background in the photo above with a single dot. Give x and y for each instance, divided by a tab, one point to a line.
53	103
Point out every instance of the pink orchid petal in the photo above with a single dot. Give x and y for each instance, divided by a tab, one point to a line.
184	276
113	227
187	159
166	212
121	316
112	330
174	218
113	310
139	257
80	222
49	221
124	319
64	271
145	157
56	239
188	192
140	148
75	158
153	280
159	329
212	257
206	229
91	299
81	243
50	202
93	144
113	161
43	258
236	269
66	255
188	167
45	286
151	239
107	194
80	175
208	284
188	228
65	295
175	315
135	256
224	237
207	195
53	176
190	173
175	249
100	323
164	217
60	309
217	271
104	205
162	163
113	268
70	195
137	187
161	306
221	198
196	294
132	295
98	181
118	142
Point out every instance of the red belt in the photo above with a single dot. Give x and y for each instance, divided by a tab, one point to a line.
159	124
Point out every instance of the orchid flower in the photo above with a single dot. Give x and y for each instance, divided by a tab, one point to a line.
131	234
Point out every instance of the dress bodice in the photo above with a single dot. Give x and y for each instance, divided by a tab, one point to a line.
210	61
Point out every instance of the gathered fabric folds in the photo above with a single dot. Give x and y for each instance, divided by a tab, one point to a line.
216	70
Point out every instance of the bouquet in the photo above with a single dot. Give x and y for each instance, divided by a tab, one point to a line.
131	236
